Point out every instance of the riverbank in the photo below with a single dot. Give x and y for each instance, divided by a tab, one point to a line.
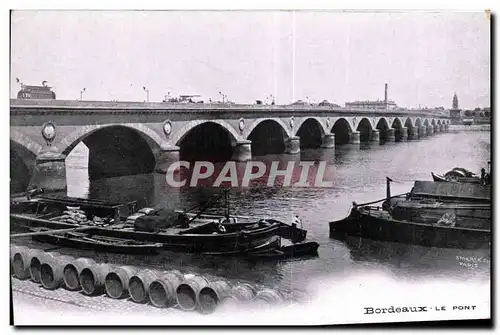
341	302
473	127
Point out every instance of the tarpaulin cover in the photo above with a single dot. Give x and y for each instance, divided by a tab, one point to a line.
450	189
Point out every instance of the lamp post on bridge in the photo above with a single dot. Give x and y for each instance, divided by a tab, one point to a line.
147	92
223	96
81	93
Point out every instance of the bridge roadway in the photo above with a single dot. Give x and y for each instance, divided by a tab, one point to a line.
127	138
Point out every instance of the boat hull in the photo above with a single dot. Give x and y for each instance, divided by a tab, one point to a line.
476	216
230	243
79	243
306	249
379	225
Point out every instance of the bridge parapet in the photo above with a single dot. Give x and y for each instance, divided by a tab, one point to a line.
44	106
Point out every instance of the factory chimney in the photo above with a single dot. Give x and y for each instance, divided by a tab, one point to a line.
385	98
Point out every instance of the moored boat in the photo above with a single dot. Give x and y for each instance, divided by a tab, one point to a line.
429	216
461	175
62	221
203	238
301	249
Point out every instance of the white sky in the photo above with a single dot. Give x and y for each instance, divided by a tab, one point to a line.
340	57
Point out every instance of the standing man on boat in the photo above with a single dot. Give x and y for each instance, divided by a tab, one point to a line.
220	226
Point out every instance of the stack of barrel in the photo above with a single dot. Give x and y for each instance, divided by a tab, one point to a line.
161	289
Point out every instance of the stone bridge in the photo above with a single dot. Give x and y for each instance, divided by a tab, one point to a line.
126	138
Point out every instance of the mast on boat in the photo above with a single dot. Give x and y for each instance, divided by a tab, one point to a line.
388	188
226	196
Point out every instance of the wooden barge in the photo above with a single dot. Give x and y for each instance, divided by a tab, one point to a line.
49	219
433	214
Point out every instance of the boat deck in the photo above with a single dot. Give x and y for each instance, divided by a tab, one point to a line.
377	212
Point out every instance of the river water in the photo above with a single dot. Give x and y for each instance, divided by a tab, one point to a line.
359	176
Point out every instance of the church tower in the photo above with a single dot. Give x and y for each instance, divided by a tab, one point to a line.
455	102
455	112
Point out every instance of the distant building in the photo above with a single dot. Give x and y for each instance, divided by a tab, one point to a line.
378	104
455	112
299	102
328	103
454	104
35	92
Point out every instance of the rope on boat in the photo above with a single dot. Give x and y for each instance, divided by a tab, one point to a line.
374	202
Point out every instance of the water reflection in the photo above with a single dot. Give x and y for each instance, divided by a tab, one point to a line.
359	175
414	260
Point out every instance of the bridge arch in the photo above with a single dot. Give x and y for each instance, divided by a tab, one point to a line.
411	128
179	135
311	132
397	125
383	128
409	124
25	141
69	142
342	130
268	136
365	128
288	133
116	149
22	163
211	140
420	128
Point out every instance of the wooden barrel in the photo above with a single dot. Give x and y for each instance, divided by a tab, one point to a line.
51	271
162	290
13	250
267	298
71	272
187	292
20	260
210	296
239	294
117	280
93	277
37	257
244	292
138	285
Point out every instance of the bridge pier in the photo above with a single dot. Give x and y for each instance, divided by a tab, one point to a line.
446	127
242	151
165	157
430	130
436	128
412	133
328	141
292	145
404	134
49	172
354	137
375	136
422	131
390	135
